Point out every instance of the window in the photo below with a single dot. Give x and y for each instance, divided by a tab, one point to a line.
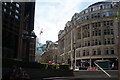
84	53
99	42
16	17
93	33
99	32
99	24
86	11
96	42
16	11
104	32
4	10
94	52
92	16
85	43
87	17
17	5
93	42
108	23
105	41
111	23
87	53
107	6
112	51
112	31
106	51
99	51
88	43
112	40
101	7
10	7
88	34
5	3
10	13
108	40
91	9
108	31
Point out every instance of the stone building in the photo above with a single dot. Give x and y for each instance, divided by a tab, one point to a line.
90	35
51	53
18	37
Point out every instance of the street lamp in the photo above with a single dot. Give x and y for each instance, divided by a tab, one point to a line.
74	66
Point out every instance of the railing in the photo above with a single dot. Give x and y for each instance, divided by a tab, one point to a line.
102	70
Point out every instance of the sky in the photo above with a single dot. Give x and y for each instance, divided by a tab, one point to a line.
52	15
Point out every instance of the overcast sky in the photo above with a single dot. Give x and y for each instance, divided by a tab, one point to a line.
52	15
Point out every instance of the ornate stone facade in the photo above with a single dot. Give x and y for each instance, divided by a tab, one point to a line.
92	33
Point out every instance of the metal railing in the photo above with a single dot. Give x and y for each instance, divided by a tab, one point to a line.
102	69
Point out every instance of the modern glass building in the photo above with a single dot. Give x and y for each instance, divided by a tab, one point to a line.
18	37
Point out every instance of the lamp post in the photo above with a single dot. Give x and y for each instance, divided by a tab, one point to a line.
117	18
74	61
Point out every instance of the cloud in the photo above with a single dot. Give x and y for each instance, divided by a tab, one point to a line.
52	15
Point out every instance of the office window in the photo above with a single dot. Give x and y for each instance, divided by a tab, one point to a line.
10	7
4	10
17	5
16	11
16	17
5	3
10	13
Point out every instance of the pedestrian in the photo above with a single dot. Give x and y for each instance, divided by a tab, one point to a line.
13	73
26	75
22	74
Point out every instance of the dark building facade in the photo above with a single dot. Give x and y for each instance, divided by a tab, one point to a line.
18	38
